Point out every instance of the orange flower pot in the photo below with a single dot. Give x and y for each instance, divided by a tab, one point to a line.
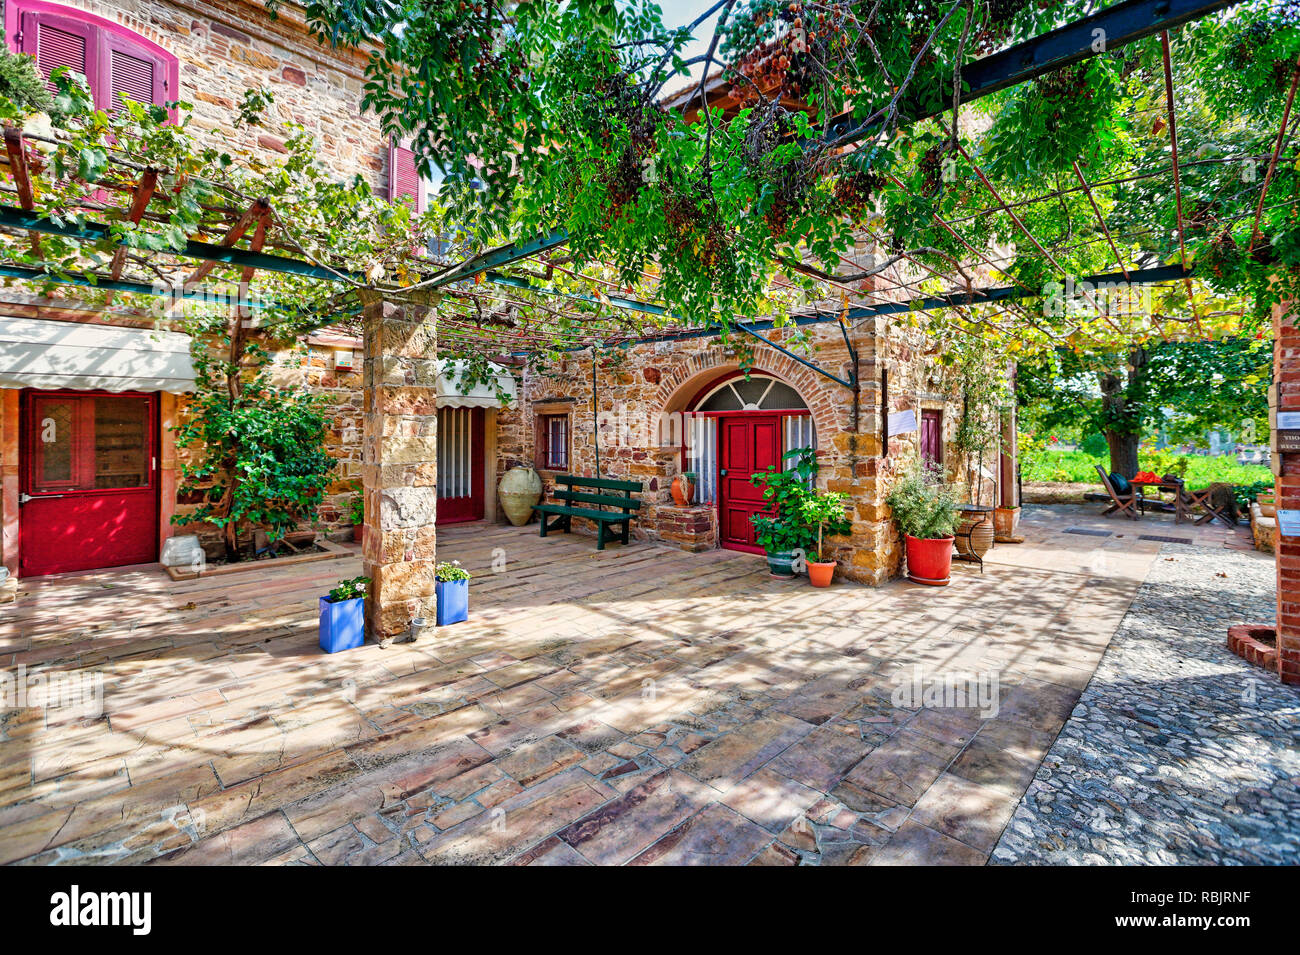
819	575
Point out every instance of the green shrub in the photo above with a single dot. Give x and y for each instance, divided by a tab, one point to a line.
23	86
1095	445
922	506
263	457
348	589
449	570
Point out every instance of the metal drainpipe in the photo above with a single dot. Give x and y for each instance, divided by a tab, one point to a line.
595	411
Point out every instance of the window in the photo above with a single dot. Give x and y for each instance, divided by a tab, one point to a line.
758	392
932	438
555	442
116	62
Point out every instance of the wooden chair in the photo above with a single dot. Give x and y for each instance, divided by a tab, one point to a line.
1204	498
1131	505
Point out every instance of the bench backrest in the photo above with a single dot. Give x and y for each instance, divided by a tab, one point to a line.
570	495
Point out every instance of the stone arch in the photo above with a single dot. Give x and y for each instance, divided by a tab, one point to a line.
681	380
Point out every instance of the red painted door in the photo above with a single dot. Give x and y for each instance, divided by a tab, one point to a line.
89	488
460	465
747	444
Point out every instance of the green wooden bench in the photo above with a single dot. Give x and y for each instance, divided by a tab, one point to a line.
569	492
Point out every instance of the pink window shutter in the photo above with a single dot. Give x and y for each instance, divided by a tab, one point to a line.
403	176
116	61
57	40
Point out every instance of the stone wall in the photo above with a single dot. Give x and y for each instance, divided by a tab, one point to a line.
639	384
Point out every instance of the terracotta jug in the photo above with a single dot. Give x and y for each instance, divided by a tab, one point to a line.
519	490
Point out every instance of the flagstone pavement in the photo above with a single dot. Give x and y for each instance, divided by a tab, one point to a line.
639	705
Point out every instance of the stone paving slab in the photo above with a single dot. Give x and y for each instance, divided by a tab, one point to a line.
637	706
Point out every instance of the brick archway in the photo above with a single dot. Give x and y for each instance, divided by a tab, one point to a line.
683	379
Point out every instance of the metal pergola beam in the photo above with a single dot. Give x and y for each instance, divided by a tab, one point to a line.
206	251
1151	276
1120	24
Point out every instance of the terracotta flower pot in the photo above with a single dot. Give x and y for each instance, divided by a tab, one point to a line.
683	490
929	561
819	574
1005	520
975	535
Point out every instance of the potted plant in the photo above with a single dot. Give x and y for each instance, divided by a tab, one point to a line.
781	534
343	616
357	515
780	541
825	511
926	512
683	488
453	592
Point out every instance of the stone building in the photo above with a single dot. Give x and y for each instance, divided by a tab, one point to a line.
205	54
663	407
656	408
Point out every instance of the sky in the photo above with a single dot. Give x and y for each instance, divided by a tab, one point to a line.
679	13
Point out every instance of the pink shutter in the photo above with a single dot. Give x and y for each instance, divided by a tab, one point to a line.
116	61
403	176
60	41
130	68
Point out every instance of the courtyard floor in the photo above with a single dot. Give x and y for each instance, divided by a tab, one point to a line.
639	705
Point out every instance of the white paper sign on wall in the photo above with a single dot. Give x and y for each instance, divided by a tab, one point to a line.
901	422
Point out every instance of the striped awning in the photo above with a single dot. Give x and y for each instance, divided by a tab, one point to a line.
39	353
500	392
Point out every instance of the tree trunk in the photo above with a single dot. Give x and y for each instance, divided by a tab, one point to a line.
1123	452
1123	413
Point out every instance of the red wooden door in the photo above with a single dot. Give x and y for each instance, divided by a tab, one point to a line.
460	465
747	444
89	484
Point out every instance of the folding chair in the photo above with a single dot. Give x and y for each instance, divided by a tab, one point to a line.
1205	498
1131	505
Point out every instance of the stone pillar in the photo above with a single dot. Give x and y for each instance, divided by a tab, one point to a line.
399	468
1286	397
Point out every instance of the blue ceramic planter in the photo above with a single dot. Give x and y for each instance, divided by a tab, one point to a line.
342	624
453	601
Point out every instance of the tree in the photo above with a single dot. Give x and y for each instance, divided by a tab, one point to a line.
1185	388
558	110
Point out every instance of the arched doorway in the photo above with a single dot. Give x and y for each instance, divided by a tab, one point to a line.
738	425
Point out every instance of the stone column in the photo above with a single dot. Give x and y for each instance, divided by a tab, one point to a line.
399	468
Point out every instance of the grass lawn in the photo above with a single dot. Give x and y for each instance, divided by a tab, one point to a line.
1079	467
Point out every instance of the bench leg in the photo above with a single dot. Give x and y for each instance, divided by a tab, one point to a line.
600	535
627	531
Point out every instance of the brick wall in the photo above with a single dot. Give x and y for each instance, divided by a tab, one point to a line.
1286	375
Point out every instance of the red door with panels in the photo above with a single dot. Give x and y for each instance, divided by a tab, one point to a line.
460	465
89	481
747	444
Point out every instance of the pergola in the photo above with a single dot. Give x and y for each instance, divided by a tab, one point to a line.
507	300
